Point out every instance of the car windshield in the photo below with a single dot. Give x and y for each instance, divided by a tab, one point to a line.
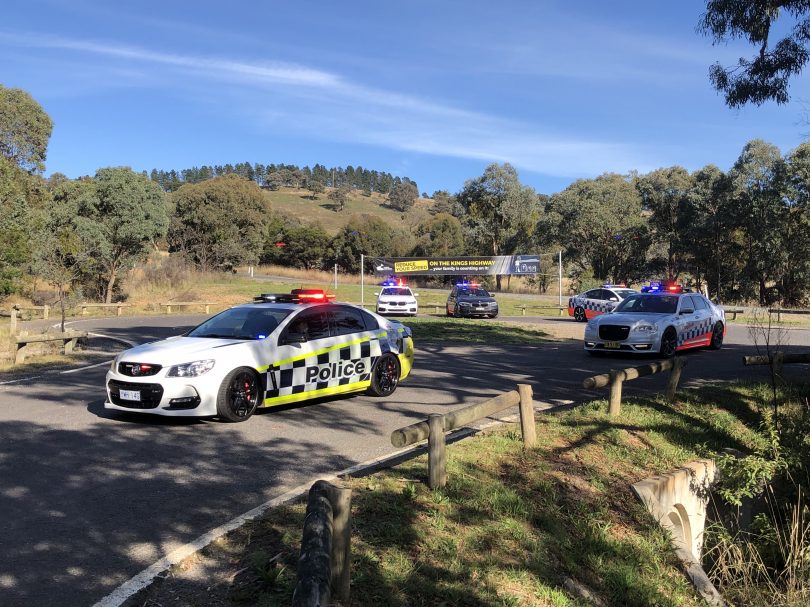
400	291
473	293
623	293
649	304
241	323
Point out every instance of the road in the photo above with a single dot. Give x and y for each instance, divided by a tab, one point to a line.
88	498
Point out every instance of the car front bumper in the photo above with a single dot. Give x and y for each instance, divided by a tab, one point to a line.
641	343
408	309
161	395
476	311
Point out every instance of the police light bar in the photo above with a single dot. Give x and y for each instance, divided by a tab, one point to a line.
468	284
621	285
295	296
658	287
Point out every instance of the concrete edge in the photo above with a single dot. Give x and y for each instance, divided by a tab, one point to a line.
148	575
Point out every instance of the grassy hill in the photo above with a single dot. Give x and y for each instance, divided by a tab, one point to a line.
299	204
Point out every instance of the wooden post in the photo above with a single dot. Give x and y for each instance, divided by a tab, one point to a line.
527	416
313	586
84	310
207	307
46	309
70	344
118	310
341	557
168	309
13	329
437	455
674	377
778	362
523	310
616	379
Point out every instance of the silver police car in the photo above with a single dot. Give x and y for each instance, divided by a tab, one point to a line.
658	322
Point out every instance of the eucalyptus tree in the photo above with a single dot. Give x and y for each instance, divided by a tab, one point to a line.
795	273
25	129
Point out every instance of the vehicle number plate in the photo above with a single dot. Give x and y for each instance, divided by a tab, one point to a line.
130	395
612	345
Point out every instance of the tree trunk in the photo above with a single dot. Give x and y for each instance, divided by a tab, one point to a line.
110	285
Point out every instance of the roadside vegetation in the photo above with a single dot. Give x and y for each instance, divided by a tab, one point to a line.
525	528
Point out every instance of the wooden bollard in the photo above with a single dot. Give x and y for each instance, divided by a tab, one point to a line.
341	557
616	379
527	416
674	377
14	310
437	454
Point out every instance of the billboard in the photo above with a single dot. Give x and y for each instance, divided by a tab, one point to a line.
457	266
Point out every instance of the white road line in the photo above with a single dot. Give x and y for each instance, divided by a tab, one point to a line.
106	362
15	381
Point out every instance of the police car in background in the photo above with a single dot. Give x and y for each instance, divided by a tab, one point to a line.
662	320
597	301
396	298
470	299
280	349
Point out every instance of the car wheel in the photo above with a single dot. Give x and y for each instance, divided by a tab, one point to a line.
448	311
669	342
579	314
717	337
385	375
238	395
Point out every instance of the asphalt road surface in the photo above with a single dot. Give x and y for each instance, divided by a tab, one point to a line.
89	498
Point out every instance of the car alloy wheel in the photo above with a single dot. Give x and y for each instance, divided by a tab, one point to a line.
385	376
238	395
579	314
669	343
717	337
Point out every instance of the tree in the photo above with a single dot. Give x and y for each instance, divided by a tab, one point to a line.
443	202
219	223
368	235
767	75
15	214
439	236
25	129
339	197
496	206
403	196
795	274
315	187
305	247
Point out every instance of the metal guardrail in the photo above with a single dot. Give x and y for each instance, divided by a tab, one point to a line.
436	425
617	377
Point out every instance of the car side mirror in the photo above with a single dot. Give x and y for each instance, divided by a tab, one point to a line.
376	292
687	311
295	338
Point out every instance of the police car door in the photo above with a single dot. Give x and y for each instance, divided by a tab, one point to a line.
295	370
356	349
703	321
685	321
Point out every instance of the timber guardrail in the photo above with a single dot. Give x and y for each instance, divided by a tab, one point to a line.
118	306
777	360
733	312
324	566
206	304
436	425
617	377
68	339
780	311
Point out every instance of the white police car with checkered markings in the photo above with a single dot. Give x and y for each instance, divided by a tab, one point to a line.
658	322
589	304
278	350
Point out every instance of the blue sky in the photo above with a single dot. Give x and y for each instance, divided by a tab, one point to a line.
432	90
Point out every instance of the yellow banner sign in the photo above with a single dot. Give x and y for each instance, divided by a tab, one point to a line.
411	266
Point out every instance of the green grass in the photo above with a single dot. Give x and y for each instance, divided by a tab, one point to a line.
472	331
512	525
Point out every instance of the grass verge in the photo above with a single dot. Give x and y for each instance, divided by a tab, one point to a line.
511	527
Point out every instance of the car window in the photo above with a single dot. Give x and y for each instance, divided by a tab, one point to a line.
398	291
473	292
608	295
594	294
649	304
313	324
241	323
370	321
622	293
698	302
347	320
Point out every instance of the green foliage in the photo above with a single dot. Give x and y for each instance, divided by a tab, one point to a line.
368	235
306	247
219	223
339	196
25	129
14	226
744	477
766	76
403	196
439	236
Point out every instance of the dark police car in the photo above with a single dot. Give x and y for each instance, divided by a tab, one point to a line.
470	299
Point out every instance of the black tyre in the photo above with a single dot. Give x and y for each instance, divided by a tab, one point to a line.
238	395
669	343
448	311
579	314
385	375
717	337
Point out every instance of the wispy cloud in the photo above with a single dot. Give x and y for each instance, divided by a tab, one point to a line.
326	105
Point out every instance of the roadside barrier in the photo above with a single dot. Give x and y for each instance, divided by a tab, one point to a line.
324	567
118	307
733	312
436	425
777	360
68	339
169	305
780	311
15	314
617	377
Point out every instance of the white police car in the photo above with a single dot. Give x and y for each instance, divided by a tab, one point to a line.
396	298
597	301
660	321
280	349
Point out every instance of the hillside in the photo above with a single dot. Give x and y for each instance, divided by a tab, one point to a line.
297	203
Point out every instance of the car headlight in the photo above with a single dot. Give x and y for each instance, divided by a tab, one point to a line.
193	369
465	303
646	329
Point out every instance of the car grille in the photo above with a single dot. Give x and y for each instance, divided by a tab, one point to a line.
150	394
613	332
138	369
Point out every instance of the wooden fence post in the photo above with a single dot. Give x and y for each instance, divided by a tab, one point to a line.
527	416
674	377
437	454
14	310
313	586
46	309
341	557
616	379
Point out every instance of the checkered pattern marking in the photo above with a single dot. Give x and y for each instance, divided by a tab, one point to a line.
701	329
319	371
594	305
